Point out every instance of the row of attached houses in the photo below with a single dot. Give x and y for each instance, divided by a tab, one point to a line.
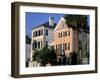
60	36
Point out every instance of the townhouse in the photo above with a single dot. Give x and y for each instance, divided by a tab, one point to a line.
42	36
63	38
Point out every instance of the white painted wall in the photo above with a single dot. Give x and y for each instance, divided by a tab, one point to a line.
5	41
50	36
39	38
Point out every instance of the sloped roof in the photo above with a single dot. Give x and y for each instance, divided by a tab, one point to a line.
46	24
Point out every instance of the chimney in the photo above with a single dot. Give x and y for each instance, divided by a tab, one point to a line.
51	21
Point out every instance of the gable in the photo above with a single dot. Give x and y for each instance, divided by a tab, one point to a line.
61	24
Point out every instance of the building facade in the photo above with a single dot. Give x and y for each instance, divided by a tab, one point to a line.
65	38
42	36
84	45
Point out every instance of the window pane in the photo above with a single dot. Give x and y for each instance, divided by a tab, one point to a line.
33	34
63	34
68	33
36	33
38	44
59	35
65	46
35	45
39	32
47	32
46	43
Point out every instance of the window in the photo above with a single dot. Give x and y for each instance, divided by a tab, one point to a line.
39	33
46	44
65	46
35	33
47	32
38	44
59	35
63	34
68	33
35	45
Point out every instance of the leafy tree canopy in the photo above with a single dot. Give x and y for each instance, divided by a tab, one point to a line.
28	40
44	55
77	21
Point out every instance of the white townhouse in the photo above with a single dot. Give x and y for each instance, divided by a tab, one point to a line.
42	36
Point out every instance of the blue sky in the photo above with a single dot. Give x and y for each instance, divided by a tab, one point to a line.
35	19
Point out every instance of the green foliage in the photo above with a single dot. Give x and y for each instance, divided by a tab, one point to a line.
28	40
80	45
76	20
52	56
73	58
86	55
35	55
45	55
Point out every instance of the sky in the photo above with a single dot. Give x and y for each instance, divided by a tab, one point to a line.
34	19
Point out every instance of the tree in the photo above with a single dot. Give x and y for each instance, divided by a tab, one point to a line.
73	58
77	21
52	56
44	56
28	40
35	55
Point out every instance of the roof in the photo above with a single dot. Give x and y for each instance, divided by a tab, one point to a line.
46	24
